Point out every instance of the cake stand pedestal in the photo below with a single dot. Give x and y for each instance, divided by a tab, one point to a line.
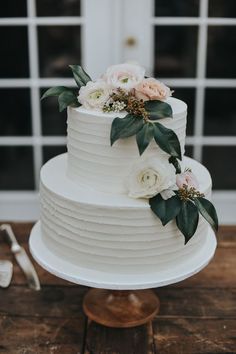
125	303
121	308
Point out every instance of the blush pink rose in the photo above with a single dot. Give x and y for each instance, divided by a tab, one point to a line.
187	178
152	89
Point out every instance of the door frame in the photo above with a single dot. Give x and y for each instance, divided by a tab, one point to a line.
106	24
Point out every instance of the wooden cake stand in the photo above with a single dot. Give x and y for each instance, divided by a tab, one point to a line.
119	300
121	308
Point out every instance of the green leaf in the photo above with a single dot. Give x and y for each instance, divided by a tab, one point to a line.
67	98
175	163
125	127
158	109
144	136
166	210
187	219
80	76
208	211
54	91
167	140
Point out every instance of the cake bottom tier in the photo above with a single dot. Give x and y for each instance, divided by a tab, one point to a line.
112	233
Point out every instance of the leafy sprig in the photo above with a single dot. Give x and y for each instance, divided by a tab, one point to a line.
185	207
142	120
67	96
147	129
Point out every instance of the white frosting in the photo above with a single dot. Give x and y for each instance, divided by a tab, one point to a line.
87	217
91	159
108	232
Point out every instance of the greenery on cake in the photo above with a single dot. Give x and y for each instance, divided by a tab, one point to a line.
67	96
142	120
172	194
125	88
185	207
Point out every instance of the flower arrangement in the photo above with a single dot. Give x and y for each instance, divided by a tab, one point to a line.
124	87
172	194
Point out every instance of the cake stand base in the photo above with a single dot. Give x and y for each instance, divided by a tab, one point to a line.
125	304
121	309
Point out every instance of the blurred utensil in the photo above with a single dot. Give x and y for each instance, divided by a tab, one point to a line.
21	257
6	271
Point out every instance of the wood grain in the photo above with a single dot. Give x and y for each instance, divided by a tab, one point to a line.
104	340
59	301
194	336
34	334
203	303
51	301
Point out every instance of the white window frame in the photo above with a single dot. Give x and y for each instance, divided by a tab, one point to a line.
225	201
23	205
105	26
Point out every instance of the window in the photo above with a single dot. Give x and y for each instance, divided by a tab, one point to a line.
187	44
41	39
194	52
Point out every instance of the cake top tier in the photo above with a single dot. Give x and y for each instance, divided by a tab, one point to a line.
95	163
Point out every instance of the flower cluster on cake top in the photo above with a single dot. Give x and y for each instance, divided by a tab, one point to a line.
172	193
120	86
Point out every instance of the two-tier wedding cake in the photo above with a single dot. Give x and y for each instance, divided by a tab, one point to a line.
124	199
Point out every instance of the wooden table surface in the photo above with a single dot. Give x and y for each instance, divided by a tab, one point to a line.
197	316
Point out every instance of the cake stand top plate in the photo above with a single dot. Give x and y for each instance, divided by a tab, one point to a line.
98	279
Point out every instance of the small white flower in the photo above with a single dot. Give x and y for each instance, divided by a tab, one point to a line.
125	76
149	177
118	106
94	95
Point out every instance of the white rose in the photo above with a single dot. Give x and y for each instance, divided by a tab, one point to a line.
125	76
150	177
94	95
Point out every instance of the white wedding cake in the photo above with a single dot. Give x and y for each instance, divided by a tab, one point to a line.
99	203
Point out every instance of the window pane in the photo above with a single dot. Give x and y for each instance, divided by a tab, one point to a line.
59	46
222	8
13	8
176	8
221	56
187	95
16	168
53	121
58	8
50	151
15	118
223	171
175	51
14	52
189	151
220	119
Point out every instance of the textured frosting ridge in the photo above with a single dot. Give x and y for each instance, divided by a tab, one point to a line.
91	159
109	232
